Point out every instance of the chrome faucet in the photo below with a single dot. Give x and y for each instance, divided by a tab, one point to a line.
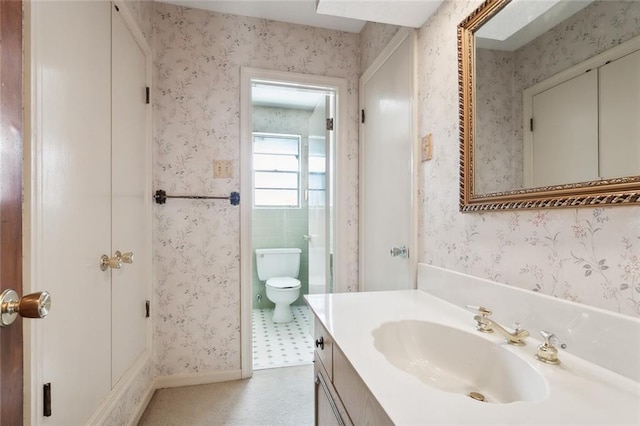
487	325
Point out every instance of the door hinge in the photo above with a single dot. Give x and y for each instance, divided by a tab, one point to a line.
46	400
147	94
362	116
329	123
147	308
531	124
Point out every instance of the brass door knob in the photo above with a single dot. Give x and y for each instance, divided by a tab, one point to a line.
107	262
34	305
125	257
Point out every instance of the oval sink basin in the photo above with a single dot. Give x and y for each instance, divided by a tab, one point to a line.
453	360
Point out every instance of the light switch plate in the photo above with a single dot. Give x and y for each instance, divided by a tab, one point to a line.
222	169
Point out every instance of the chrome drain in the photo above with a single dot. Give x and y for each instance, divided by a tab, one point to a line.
477	396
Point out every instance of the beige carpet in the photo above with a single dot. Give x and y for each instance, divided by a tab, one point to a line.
277	396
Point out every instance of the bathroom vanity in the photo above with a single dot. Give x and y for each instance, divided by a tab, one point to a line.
417	357
341	397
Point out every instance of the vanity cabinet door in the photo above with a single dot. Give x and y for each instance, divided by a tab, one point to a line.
326	413
324	348
361	405
328	407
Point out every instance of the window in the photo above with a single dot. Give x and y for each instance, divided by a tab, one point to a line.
276	170
317	171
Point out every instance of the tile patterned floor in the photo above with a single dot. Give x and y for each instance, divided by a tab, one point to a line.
281	345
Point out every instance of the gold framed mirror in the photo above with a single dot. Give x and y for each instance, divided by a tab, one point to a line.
507	66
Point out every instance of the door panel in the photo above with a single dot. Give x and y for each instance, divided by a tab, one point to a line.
11	344
386	175
73	202
565	132
318	160
130	198
620	117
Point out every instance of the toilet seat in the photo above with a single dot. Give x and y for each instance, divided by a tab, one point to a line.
283	283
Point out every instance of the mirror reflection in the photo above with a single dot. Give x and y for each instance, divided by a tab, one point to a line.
557	94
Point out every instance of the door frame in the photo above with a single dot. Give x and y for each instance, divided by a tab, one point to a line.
339	85
386	53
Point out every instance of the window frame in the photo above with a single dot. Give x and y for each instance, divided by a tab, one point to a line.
298	172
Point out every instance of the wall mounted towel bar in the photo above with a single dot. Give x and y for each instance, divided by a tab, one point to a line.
161	197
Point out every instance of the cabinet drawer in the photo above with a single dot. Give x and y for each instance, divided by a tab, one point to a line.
324	348
356	397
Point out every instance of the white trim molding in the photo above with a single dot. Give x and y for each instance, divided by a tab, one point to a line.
178	380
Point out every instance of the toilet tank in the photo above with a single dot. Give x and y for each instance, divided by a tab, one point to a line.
277	262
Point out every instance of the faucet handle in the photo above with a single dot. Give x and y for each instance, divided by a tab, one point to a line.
483	323
552	339
485	312
547	352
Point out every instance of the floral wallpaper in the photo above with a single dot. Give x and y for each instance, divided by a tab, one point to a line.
373	38
198	57
588	255
576	39
502	76
498	152
142	11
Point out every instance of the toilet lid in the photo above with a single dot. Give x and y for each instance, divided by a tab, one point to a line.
283	282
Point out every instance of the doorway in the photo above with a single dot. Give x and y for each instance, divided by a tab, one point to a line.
289	156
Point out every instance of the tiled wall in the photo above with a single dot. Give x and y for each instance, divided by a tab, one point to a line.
589	255
274	227
281	228
198	57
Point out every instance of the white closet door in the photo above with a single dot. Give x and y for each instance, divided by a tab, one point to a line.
386	174
72	187
620	117
130	200
565	132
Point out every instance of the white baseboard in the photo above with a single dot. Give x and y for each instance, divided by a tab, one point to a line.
162	382
119	391
142	406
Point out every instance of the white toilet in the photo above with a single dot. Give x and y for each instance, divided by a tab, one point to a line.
279	268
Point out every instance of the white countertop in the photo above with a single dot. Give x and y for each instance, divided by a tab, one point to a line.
579	392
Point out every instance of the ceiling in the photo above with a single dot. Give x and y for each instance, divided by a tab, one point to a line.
342	15
521	21
285	97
